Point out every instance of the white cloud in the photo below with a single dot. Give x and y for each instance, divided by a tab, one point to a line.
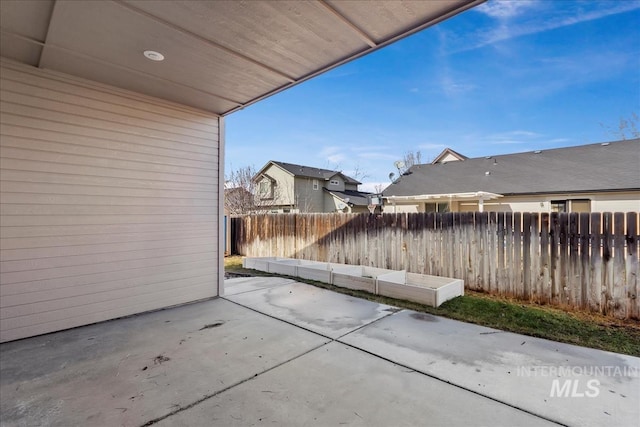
512	137
505	9
452	87
335	158
332	154
509	26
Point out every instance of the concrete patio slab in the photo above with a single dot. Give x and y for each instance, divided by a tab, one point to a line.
339	385
318	310
133	370
515	369
241	285
219	363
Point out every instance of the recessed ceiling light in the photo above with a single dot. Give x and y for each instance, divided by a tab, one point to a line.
153	55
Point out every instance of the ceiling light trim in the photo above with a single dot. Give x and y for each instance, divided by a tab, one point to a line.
153	55
188	33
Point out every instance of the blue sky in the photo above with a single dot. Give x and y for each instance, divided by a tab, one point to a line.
504	77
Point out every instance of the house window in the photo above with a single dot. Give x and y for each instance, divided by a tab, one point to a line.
316	184
558	206
581	205
334	182
265	189
436	207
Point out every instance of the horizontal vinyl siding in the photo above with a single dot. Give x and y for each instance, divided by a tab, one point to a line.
109	203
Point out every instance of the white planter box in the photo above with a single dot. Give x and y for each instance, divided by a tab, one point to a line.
287	266
421	288
357	277
320	272
259	263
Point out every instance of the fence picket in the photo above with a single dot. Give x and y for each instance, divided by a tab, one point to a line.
619	280
631	266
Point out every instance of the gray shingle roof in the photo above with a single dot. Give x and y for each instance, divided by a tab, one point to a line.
357	198
610	166
309	172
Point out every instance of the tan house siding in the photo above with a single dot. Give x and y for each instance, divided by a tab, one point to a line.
284	191
109	203
308	199
628	201
600	202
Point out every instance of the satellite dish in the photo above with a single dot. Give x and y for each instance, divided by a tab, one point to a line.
391	175
399	164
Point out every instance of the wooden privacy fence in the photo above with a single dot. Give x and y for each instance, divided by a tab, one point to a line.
587	261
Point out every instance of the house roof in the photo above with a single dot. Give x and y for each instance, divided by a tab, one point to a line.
356	198
309	172
612	166
220	56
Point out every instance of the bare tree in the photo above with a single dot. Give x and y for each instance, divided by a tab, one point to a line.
358	174
627	128
242	194
378	188
409	159
239	190
412	158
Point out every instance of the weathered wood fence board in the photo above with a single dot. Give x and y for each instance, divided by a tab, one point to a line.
584	261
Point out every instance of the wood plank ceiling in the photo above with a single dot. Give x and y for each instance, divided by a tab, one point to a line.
220	56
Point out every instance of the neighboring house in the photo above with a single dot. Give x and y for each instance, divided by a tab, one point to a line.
603	177
286	187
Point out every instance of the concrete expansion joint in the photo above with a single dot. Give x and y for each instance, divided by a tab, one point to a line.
409	368
209	396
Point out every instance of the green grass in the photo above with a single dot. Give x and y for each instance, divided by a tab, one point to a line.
539	321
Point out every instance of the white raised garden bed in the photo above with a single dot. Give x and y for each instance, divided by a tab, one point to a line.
318	271
357	277
421	288
287	267
258	263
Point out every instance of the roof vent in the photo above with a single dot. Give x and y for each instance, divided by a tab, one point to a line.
604	144
537	152
487	173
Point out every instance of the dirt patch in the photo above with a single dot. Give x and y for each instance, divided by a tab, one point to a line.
424	317
160	359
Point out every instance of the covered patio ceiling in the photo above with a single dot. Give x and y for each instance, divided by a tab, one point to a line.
220	56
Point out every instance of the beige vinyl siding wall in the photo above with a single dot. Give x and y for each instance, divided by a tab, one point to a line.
109	203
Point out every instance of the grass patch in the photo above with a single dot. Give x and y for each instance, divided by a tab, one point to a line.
578	328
